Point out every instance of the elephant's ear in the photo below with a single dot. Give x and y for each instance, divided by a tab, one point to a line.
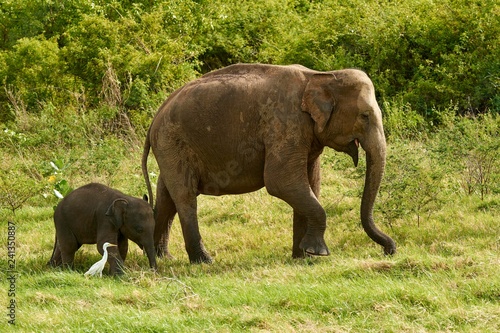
318	99
118	211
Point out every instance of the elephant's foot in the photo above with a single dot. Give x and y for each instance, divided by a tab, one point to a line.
197	253
54	263
117	270
298	253
315	246
200	258
68	265
168	256
164	253
162	248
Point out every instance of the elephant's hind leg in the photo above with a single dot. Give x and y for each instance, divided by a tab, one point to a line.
67	243
190	230
186	204
165	211
68	254
56	259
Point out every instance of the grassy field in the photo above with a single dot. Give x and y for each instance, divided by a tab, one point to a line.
444	278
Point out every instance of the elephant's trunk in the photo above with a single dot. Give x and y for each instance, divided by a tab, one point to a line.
150	252
375	164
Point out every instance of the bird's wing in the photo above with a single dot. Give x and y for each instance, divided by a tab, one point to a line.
95	268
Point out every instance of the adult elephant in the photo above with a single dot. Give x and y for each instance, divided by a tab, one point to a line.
246	126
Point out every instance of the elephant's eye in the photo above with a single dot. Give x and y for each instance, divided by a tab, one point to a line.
365	117
139	229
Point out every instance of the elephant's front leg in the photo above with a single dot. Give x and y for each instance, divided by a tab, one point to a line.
313	242
308	233
297	188
123	246
115	261
165	211
309	226
300	221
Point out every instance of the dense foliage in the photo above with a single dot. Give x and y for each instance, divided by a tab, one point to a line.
122	58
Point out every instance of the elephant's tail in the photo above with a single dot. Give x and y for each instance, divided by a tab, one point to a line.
145	153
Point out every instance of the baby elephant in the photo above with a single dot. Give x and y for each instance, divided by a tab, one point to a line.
95	213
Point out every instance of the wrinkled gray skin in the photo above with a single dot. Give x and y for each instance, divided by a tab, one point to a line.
95	213
246	126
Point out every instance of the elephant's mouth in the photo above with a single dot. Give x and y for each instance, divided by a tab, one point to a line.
352	150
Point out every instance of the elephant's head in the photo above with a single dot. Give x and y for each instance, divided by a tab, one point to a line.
346	115
134	218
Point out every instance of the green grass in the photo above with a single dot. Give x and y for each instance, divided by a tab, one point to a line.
445	276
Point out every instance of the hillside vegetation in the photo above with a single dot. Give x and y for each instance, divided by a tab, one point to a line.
81	80
126	56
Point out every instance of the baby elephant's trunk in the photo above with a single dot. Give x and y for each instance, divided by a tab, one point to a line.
150	252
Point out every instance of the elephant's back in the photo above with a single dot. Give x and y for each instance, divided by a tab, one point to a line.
264	70
82	204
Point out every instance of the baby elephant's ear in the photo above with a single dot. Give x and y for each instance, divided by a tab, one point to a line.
118	210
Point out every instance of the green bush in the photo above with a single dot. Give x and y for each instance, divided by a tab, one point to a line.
474	152
428	53
18	184
402	122
33	77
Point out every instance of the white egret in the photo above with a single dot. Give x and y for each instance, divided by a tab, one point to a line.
99	266
58	194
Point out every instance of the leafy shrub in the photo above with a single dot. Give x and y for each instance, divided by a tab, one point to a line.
33	76
18	182
16	187
428	53
413	183
401	121
244	32
478	170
